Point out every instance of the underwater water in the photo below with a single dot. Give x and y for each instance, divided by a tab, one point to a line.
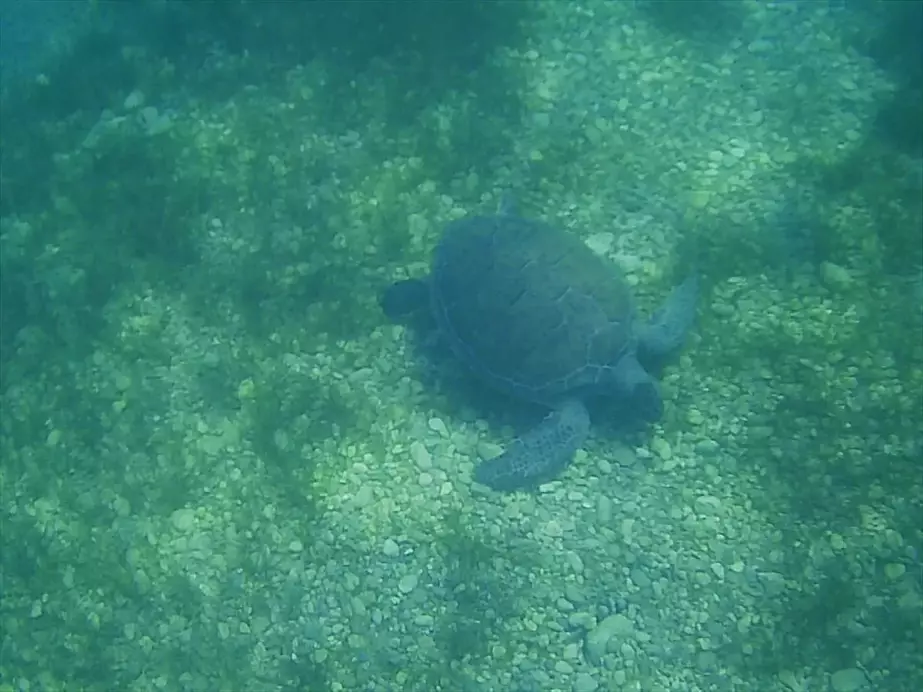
224	468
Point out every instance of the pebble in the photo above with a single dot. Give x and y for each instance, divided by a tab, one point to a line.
363	496
573	593
296	546
603	510
421	456
407	583
183	519
600	243
553	529
661	448
640	578
134	100
895	570
390	548
585	683
425	479
835	277
438	426
597	639
708	504
575	562
848	680
624	455
563	667
581	621
489	450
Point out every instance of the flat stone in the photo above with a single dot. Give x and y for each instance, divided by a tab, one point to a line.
661	448
597	640
848	680
183	519
585	683
438	426
407	583
363	496
390	548
624	455
563	667
420	455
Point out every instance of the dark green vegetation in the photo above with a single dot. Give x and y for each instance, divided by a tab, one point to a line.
91	222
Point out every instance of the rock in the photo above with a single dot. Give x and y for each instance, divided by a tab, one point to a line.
575	561
438	426
848	680
600	243
563	667
603	510
597	640
661	448
407	583
585	683
183	519
363	496
421	456
489	450
835	277
390	548
895	570
624	455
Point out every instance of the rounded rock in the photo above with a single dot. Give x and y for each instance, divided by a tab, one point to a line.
390	548
848	680
408	583
597	640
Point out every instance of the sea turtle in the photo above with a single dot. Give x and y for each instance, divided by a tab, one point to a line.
534	313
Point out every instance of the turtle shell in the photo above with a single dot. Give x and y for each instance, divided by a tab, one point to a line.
529	308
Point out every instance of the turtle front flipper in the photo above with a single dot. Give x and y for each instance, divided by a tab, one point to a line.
540	454
668	327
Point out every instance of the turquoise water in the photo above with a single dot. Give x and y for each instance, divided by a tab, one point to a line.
222	467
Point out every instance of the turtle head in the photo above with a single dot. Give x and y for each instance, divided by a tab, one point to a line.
408	303
403	299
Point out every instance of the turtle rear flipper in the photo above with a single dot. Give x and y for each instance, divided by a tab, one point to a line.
540	454
668	327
